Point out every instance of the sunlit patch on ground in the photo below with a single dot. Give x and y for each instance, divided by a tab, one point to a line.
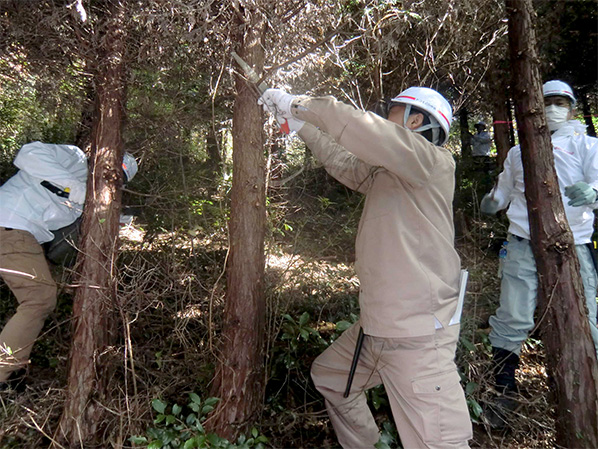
190	312
131	232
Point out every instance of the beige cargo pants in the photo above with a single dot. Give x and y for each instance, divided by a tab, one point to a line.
420	378
25	270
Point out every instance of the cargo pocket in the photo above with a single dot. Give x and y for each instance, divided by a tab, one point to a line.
441	402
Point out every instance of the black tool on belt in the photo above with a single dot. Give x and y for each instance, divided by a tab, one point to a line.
55	190
358	346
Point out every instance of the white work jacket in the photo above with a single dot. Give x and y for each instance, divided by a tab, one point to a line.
575	160
405	257
27	205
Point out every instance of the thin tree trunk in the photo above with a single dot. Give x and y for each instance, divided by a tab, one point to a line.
587	114
511	122
571	355
214	160
95	298
500	107
466	153
239	380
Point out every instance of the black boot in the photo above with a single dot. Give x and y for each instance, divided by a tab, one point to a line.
505	363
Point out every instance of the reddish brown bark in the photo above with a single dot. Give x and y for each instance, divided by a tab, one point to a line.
239	380
94	303
500	106
564	324
465	134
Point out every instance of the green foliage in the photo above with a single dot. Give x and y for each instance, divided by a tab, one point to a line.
29	110
300	339
389	437
181	427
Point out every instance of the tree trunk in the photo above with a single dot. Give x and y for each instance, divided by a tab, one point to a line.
95	298
510	122
500	107
587	113
570	352
239	380
213	161
466	153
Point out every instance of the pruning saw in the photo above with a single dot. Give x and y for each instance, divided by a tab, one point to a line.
259	87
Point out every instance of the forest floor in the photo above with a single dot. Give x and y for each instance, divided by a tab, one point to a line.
171	295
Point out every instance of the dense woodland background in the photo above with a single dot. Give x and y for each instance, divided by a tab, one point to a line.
179	85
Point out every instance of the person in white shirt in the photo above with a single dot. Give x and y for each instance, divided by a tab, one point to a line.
46	194
576	163
481	141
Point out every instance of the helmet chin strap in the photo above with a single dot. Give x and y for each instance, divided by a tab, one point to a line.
433	125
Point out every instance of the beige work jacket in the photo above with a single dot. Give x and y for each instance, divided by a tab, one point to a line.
405	257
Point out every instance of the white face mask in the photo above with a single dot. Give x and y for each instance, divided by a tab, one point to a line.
556	116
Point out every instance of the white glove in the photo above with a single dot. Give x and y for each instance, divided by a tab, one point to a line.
289	125
77	192
489	205
277	102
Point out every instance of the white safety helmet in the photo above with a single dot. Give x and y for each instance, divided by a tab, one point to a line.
556	87
129	166
428	100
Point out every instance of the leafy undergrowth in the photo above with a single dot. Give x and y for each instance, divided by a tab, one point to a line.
170	303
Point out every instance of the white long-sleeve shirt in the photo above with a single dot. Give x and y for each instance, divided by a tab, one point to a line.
575	160
27	205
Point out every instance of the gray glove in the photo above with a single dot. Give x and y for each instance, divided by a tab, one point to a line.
580	194
489	205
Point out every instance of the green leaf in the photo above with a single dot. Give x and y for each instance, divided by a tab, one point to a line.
170	419
191	419
138	440
195	407
190	443
195	398
254	432
343	326
304	319
304	334
159	406
381	445
159	418
471	387
206	409
288	317
211	401
213	439
468	344
476	409
177	409
155	445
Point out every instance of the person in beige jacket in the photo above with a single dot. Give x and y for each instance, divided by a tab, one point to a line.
406	262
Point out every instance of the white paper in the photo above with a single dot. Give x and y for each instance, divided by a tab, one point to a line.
456	319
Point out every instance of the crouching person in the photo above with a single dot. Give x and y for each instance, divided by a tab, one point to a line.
46	194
